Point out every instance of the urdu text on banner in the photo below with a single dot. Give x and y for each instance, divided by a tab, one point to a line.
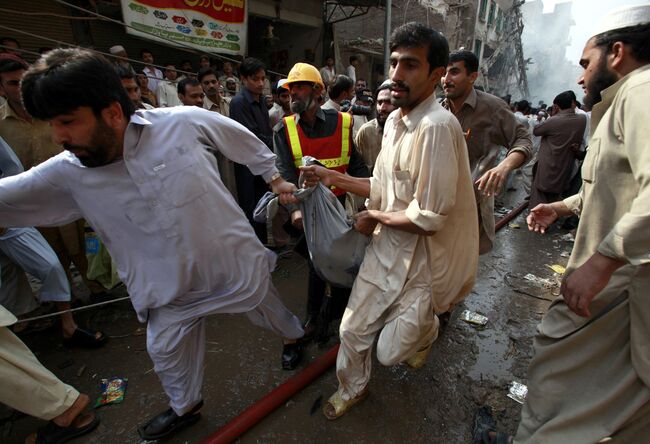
207	25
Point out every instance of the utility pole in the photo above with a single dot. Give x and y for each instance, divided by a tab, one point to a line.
387	32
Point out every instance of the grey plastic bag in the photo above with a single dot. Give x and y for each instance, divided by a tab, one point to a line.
335	247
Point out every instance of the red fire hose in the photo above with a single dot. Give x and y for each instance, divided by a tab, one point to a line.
256	412
277	397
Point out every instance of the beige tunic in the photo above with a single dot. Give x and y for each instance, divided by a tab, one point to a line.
422	169
405	278
489	124
368	142
591	375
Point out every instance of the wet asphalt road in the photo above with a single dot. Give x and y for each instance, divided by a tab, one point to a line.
467	368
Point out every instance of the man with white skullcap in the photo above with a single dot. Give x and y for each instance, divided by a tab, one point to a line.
120	57
590	378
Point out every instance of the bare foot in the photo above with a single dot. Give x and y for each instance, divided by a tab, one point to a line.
66	418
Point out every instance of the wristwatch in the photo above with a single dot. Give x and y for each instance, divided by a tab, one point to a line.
276	175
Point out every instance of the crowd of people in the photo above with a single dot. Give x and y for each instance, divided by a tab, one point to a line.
145	156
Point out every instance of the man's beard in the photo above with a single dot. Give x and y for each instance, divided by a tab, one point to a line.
381	120
98	153
300	106
602	79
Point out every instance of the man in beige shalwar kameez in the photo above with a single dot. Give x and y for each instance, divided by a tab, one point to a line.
590	377
422	216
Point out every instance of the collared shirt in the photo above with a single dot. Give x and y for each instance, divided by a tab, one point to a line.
223	107
162	211
327	74
556	158
324	125
368	142
31	141
276	114
489	124
167	94
154	77
423	169
253	114
614	202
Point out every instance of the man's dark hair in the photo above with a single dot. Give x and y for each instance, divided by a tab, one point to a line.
145	51
65	79
205	72
169	64
571	94
251	66
353	58
10	64
467	57
125	73
637	37
415	35
522	106
341	84
563	100
186	81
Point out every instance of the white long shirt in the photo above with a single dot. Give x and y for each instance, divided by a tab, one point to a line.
164	214
167	94
154	77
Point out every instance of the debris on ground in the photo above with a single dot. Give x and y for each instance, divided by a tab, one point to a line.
517	391
547	283
112	391
559	269
473	318
567	237
513	225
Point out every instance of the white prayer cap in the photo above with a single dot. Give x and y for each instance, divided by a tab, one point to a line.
624	18
116	49
282	82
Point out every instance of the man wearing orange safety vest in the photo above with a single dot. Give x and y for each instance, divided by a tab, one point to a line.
327	136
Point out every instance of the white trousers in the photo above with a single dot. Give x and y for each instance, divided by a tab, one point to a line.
176	342
400	338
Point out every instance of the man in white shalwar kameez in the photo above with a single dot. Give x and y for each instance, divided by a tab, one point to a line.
589	380
147	182
422	217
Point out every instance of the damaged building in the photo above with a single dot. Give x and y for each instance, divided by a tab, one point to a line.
490	28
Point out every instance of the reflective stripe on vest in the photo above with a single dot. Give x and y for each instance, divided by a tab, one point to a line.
293	137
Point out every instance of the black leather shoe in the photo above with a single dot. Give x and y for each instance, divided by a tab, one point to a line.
168	422
291	355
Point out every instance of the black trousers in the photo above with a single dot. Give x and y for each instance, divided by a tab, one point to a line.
250	190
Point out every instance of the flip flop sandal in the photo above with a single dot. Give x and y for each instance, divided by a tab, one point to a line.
335	407
419	358
54	434
85	339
